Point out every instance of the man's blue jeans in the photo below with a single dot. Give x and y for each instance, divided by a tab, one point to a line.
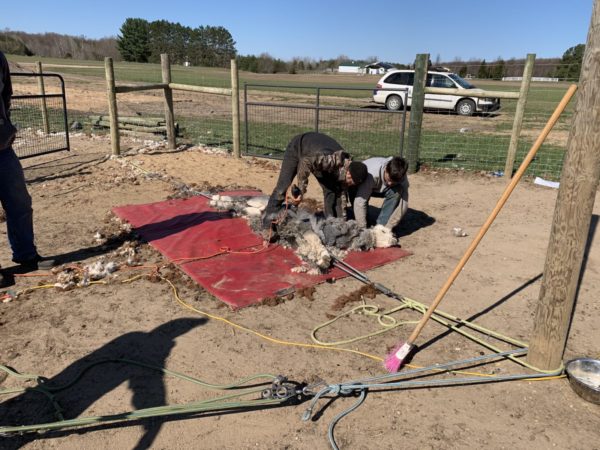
16	202
391	200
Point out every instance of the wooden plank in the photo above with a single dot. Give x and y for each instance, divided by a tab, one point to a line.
202	89
142	135
145	87
144	121
126	126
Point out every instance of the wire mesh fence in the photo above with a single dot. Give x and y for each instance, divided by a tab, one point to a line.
480	142
273	114
345	114
204	119
41	119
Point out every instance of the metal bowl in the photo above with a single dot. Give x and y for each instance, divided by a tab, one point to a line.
584	376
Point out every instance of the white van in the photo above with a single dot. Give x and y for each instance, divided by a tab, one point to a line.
404	79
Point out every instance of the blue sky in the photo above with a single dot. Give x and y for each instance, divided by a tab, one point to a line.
393	31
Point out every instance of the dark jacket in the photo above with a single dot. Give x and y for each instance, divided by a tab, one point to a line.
320	155
7	130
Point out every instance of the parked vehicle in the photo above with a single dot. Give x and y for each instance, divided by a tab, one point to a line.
404	79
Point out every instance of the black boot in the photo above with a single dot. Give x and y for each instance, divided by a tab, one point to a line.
38	262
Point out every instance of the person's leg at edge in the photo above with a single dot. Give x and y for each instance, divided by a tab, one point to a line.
16	202
332	200
390	203
289	168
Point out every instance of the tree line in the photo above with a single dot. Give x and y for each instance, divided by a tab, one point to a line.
143	41
566	68
54	45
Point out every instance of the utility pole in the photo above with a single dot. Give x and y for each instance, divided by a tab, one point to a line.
572	214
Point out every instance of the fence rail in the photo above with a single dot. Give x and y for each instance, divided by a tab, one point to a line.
169	112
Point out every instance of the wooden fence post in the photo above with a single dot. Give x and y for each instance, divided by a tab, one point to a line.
43	93
416	112
169	114
235	108
572	215
519	112
112	106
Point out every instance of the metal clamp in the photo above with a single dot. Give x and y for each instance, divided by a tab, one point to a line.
283	389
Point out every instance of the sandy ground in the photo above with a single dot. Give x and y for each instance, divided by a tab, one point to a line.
56	333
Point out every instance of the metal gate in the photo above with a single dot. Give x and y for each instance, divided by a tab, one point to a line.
41	119
345	113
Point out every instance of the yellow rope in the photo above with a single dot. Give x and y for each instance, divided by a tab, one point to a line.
326	346
384	319
320	346
263	336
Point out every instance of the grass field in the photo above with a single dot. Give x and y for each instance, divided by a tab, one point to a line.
478	151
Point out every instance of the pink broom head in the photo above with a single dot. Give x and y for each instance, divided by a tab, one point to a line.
395	359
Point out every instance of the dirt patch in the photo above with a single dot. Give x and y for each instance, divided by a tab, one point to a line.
55	333
358	295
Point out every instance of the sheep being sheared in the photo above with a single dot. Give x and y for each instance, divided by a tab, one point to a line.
313	238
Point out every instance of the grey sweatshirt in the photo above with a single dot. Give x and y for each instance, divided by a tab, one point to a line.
373	184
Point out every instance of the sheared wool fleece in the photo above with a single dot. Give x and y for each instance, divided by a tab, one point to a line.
313	238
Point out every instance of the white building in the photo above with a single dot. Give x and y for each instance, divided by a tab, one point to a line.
349	67
378	68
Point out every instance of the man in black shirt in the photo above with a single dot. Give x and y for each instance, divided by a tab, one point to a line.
13	192
325	158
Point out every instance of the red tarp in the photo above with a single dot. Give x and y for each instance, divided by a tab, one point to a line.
190	228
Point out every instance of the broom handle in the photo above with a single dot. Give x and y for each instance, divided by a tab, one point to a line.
509	188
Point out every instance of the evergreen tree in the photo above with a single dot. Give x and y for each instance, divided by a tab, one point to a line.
159	40
145	42
497	71
197	47
221	46
483	70
248	63
134	41
570	64
293	67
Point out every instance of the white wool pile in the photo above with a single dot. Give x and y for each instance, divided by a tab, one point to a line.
313	238
249	207
312	249
221	201
256	205
66	280
259	202
69	278
99	270
383	236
